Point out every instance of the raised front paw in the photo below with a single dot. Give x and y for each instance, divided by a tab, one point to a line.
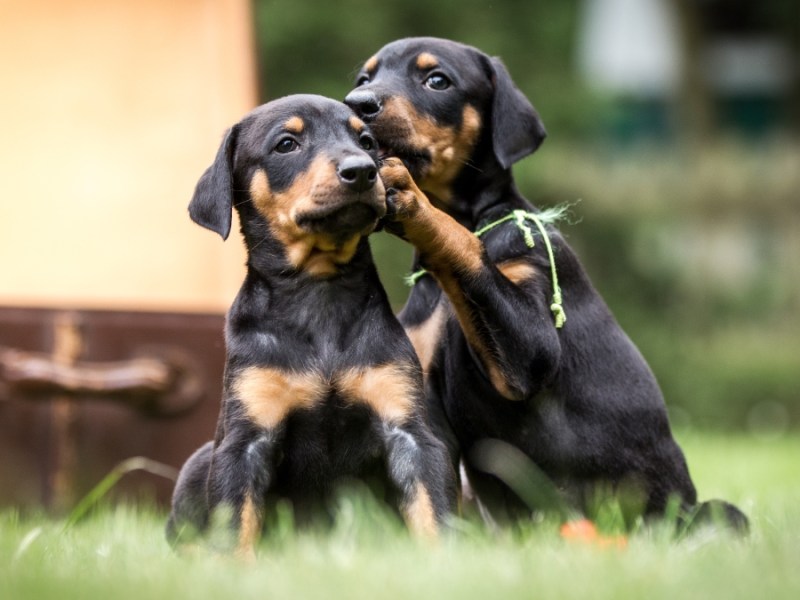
403	198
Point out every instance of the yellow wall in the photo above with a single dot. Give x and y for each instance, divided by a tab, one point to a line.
109	112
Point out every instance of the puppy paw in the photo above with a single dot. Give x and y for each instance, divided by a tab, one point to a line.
394	173
403	198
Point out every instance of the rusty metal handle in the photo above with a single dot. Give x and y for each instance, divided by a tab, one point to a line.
155	385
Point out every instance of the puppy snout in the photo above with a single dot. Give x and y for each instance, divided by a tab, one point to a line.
358	173
364	102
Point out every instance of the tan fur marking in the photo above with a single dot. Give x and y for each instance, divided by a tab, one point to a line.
517	271
295	125
356	124
456	246
249	531
316	253
326	255
499	381
371	64
450	148
390	390
426	60
446	246
425	336
419	515
466	320
344	254
259	191
449	251
269	395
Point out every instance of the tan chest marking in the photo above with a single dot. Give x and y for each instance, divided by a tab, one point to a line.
390	390
517	270
269	395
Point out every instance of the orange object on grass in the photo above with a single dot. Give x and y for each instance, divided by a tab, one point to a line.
585	532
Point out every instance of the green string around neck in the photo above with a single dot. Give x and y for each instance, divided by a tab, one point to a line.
520	218
556	306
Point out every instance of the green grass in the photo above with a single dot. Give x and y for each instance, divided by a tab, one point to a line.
120	552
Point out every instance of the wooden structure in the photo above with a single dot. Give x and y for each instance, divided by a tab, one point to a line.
111	300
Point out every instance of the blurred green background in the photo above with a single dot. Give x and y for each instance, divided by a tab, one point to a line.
675	123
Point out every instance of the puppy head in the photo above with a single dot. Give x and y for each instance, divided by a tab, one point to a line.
301	171
429	101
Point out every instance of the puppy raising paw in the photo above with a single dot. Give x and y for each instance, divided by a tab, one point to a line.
405	202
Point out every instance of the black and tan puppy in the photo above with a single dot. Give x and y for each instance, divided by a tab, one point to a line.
321	382
579	400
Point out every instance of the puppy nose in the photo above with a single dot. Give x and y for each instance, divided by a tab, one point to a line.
364	102
358	173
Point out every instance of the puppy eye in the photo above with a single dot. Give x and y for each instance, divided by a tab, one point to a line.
363	80
367	142
286	145
437	82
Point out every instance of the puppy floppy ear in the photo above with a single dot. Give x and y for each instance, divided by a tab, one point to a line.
517	130
212	202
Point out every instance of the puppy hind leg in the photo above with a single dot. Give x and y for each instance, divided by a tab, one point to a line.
715	513
189	513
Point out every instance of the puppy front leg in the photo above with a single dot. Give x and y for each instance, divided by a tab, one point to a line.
420	470
242	471
446	248
500	318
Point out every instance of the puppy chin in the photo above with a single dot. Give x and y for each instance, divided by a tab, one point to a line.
343	222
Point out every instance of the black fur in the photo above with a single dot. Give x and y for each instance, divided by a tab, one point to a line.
290	320
581	402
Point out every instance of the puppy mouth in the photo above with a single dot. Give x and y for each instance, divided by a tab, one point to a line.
414	159
342	222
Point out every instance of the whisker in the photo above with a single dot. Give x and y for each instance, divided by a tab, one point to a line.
256	245
471	165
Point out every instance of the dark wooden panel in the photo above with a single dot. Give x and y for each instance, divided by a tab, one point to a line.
57	443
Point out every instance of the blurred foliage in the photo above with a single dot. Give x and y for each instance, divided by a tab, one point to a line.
318	47
693	247
695	250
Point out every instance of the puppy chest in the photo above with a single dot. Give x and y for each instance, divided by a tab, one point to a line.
268	396
333	441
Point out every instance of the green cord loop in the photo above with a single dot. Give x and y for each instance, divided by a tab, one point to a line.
556	307
412	278
520	217
519	220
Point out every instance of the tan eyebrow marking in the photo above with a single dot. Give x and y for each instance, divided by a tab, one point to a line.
294	125
357	124
427	60
371	64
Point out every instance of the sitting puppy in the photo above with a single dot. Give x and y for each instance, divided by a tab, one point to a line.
321	382
516	344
